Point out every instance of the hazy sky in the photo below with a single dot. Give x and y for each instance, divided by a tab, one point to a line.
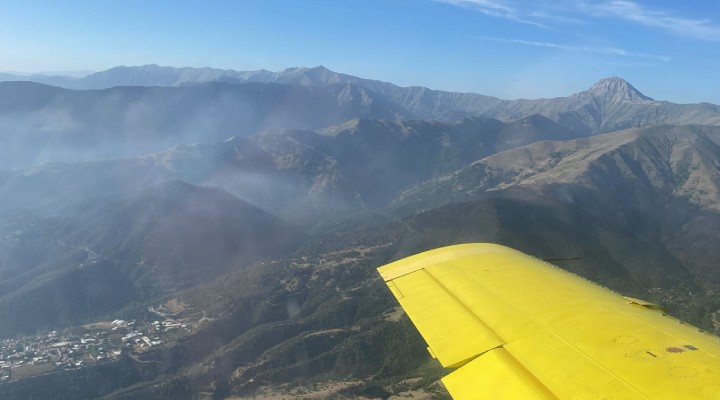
670	50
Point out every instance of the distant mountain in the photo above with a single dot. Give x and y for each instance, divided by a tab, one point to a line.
615	90
155	75
53	79
41	123
365	164
185	105
358	165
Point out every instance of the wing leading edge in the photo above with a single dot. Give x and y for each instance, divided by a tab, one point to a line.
515	327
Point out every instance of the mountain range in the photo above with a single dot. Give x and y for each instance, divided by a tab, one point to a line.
263	201
129	111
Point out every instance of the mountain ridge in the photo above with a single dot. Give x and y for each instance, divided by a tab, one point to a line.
614	88
678	161
41	123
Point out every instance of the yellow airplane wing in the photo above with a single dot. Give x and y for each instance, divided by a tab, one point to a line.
515	327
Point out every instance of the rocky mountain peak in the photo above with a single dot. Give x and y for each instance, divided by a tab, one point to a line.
616	90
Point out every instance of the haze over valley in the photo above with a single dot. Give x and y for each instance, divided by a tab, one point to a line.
208	233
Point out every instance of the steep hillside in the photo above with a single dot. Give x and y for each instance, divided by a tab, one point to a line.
633	166
662	180
178	235
108	254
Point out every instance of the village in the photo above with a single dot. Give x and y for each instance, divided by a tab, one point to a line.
95	343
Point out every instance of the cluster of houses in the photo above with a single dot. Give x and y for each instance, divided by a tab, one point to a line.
56	350
66	350
149	336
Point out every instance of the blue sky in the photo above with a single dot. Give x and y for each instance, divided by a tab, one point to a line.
670	50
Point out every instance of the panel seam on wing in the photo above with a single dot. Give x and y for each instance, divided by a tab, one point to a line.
479	320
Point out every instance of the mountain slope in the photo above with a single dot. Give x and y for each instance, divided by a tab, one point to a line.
182	234
361	164
133	248
661	180
665	160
